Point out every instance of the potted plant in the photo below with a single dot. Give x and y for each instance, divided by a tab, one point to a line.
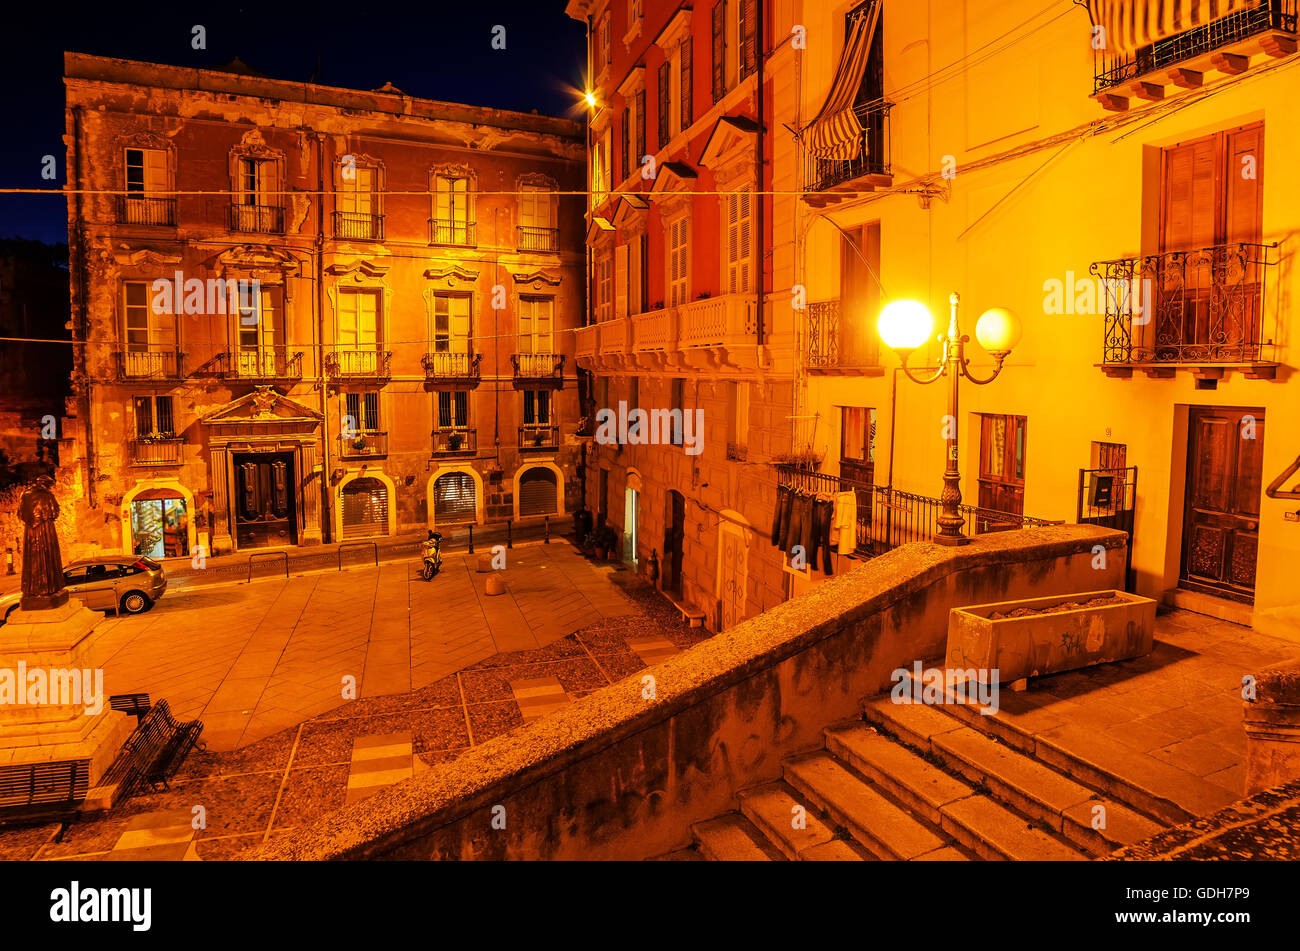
454	441
538	437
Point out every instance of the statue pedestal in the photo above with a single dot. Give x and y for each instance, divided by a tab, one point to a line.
48	680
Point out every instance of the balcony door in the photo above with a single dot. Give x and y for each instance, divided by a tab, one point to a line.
150	336
358	336
1002	463
1225	451
261	335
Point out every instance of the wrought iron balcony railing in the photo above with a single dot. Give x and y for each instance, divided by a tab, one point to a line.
162	449
257	219
873	156
888	517
836	345
1269	15
538	366
1205	306
363	444
451	232
443	367
141	210
261	364
150	364
358	225
538	239
448	440
535	436
360	364
823	335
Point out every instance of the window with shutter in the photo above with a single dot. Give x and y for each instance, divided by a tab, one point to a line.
738	225
719	50
144	416
677	262
665	96
687	100
640	125
620	281
628	163
749	36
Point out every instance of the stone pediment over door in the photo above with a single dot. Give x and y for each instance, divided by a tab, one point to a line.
265	413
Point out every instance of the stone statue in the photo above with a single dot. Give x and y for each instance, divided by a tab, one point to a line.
42	563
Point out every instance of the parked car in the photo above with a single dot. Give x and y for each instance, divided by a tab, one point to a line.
106	583
115	583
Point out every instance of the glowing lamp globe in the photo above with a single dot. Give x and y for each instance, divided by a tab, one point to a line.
905	324
998	330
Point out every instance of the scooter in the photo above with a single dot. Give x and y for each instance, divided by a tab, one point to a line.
432	556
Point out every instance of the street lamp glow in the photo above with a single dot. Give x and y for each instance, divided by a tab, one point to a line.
590	99
905	324
998	330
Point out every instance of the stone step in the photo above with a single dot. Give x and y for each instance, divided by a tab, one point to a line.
1041	793
775	808
876	823
913	723
732	838
992	831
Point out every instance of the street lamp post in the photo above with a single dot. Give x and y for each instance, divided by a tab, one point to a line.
905	325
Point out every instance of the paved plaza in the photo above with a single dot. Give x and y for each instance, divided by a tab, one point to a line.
250	660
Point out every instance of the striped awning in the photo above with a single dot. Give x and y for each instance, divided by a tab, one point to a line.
836	133
1131	24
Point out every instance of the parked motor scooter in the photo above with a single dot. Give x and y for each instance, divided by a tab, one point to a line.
432	556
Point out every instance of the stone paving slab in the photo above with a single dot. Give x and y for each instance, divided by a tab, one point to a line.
250	660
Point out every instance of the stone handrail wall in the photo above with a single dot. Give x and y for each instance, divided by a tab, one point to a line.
618	775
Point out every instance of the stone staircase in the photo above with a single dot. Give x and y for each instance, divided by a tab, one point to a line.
917	782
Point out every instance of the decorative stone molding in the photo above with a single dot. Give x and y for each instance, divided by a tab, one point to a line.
145	258
537	278
451	275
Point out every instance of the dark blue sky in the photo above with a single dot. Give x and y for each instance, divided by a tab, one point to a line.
436	50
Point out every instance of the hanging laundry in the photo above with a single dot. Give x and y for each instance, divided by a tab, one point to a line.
844	526
824	515
780	512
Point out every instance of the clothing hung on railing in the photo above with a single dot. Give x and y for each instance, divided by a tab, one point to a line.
844	525
801	519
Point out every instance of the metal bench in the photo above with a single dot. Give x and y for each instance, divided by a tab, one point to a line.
42	790
153	752
136	704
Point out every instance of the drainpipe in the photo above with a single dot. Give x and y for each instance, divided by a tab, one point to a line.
759	142
82	324
589	275
327	520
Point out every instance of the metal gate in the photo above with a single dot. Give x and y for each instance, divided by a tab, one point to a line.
537	492
365	508
454	498
1108	497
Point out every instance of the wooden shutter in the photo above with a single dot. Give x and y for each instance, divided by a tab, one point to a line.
719	49
738	226
620	281
1243	199
640	125
748	36
687	75
1189	196
155	171
627	142
665	75
643	264
537	492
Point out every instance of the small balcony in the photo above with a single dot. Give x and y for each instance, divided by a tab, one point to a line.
830	180
837	348
1206	311
452	233
1224	45
451	369
719	332
360	365
257	219
585	345
150	364
363	444
351	225
261	364
139	210
160	449
454	440
538	368
538	239
539	437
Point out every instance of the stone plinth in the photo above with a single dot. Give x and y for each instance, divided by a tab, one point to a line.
56	646
1272	722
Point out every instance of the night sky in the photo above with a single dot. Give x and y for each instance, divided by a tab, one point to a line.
435	50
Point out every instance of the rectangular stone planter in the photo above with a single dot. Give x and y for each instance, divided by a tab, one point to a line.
1039	644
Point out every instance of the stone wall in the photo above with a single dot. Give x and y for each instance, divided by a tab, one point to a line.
625	771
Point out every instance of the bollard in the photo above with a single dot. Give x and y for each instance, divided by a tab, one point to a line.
471	538
546	531
509	542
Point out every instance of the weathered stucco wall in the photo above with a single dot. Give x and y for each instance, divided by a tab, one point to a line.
623	775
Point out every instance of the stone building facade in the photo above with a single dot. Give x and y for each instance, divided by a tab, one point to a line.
686	310
392	348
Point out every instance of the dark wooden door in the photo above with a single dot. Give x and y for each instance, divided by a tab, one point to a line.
264	500
674	531
1225	451
1003	446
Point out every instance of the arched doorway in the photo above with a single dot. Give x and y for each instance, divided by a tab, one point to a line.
538	492
365	508
455	498
160	521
